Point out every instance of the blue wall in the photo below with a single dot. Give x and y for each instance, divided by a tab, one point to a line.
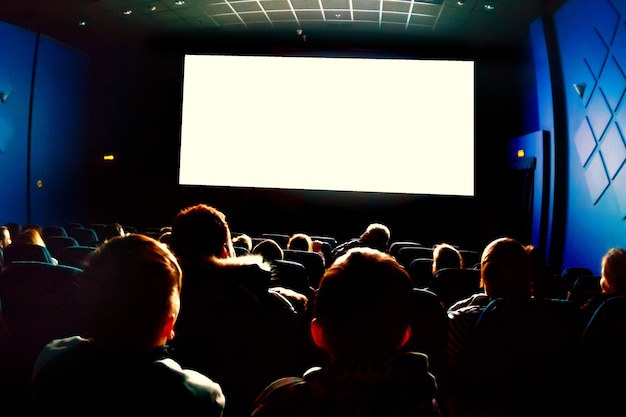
42	128
16	68
580	61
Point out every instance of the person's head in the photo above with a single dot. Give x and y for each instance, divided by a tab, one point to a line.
5	237
446	256
505	269
243	241
300	241
112	230
31	237
377	236
613	275
200	232
269	250
362	307
130	293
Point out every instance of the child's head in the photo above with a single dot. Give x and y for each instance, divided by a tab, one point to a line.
613	278
505	269
446	256
362	307
130	293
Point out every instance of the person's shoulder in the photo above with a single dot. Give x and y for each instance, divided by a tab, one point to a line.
192	386
474	302
58	348
281	398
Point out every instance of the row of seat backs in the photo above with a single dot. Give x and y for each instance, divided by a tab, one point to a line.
73	255
405	252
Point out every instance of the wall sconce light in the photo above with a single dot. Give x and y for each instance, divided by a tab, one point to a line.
580	89
3	96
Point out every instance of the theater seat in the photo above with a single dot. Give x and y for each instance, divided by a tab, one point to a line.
521	360
39	303
26	252
602	353
312	262
75	256
454	284
56	244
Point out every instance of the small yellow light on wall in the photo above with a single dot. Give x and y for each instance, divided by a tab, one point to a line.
520	153
109	157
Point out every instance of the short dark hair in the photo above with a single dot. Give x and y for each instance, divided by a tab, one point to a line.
199	231
505	269
126	291
363	304
269	250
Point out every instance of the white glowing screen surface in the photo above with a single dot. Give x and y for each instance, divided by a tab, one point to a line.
345	124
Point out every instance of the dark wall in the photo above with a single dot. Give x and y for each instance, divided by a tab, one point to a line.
144	179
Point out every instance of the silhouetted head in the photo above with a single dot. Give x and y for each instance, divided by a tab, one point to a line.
613	279
506	269
376	236
362	307
130	293
200	232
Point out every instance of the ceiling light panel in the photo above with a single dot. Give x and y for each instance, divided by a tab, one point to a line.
246	6
305	4
275	5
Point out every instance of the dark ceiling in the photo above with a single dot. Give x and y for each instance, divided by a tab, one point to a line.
88	24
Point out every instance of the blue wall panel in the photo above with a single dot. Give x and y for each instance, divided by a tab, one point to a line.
592	40
17	47
58	134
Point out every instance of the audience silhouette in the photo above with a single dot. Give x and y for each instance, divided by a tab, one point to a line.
130	298
235	326
612	280
446	256
361	321
505	273
376	236
361	336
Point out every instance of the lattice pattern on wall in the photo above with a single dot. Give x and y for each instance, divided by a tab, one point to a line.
601	137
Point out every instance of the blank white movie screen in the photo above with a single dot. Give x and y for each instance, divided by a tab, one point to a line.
339	124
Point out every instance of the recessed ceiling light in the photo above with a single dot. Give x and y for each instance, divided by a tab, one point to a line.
489	6
460	2
127	12
179	2
153	8
82	23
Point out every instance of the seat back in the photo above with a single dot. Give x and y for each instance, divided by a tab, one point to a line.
602	353
242	338
421	272
571	274
395	246
75	256
49	231
584	288
39	303
520	359
26	252
312	261
429	328
406	254
56	244
292	275
84	236
454	284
